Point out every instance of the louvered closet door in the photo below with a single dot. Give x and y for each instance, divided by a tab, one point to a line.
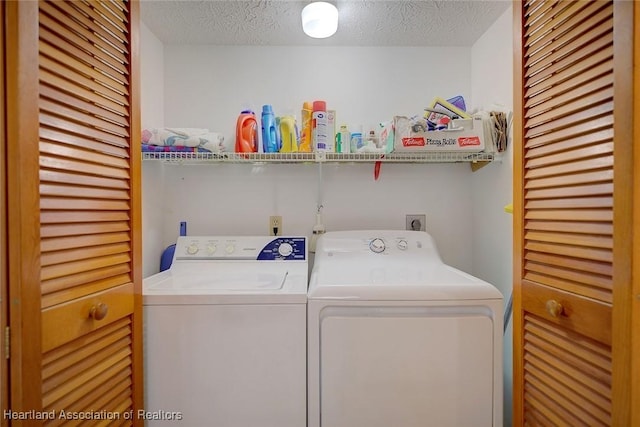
89	210
565	225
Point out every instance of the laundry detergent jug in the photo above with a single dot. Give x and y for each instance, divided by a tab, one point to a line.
305	128
247	132
269	132
289	134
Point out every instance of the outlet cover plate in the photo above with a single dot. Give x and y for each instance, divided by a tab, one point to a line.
416	222
275	223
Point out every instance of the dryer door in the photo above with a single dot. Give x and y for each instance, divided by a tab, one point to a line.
406	366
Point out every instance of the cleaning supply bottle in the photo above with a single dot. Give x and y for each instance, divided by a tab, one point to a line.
269	135
167	255
305	128
319	126
247	132
289	134
356	138
343	140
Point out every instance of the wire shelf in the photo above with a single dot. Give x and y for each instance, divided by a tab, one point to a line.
395	157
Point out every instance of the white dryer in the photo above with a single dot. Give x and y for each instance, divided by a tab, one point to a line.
225	334
398	338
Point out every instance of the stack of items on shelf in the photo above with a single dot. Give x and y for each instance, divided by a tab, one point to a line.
185	140
280	134
447	126
444	126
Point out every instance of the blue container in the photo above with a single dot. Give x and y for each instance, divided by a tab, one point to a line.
269	132
167	255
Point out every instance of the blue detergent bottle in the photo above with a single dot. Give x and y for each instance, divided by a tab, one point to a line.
269	132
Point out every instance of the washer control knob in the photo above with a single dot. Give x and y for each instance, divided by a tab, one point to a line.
192	249
211	249
230	248
377	245
285	249
403	245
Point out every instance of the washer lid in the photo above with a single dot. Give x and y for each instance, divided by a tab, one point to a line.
230	283
398	282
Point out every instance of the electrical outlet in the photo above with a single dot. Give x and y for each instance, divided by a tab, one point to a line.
275	225
417	222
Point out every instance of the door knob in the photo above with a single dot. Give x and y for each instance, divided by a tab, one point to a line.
554	308
99	311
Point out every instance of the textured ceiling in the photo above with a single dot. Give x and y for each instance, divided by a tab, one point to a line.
361	22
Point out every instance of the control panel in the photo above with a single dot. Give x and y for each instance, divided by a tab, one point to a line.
255	248
387	243
380	245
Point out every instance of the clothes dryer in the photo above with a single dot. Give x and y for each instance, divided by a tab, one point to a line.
398	338
225	334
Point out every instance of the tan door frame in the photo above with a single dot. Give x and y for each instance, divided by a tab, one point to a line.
4	371
23	205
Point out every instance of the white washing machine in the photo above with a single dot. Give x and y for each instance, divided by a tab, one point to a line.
398	338
225	334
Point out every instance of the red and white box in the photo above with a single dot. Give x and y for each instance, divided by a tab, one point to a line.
411	135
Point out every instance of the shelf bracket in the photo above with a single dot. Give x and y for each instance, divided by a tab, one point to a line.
478	165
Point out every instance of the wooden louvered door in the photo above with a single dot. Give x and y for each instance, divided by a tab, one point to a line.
571	175
74	211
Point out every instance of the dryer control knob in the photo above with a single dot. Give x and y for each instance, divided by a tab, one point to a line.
230	248
377	245
403	245
192	249
211	249
285	249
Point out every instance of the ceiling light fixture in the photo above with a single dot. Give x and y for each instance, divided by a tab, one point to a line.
320	19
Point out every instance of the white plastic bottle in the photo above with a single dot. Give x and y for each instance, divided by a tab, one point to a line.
319	126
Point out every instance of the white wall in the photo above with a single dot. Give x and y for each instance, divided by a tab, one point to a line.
152	112
492	83
207	86
238	199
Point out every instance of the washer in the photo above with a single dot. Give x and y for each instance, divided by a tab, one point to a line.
398	338
225	333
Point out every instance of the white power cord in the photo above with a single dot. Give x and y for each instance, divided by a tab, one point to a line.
318	228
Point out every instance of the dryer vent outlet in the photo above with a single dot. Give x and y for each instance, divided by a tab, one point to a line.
417	222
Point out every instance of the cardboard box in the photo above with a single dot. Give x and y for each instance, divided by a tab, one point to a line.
412	135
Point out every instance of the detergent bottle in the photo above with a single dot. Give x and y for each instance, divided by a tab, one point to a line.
269	133
305	128
247	132
289	134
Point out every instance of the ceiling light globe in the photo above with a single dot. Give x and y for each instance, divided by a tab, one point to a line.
320	19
